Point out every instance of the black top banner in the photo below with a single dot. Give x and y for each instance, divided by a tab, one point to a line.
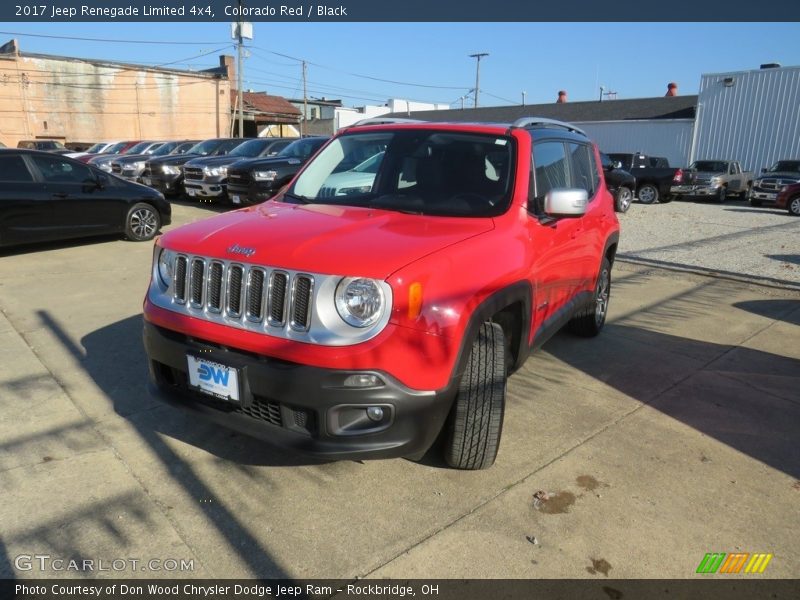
400	11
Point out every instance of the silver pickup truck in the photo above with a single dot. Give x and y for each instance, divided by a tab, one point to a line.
714	178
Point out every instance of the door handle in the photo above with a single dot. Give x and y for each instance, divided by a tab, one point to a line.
60	195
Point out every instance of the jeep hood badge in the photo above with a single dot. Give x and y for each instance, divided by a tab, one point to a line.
243	250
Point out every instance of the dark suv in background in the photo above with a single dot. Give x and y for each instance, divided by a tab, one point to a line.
131	166
252	181
165	173
206	178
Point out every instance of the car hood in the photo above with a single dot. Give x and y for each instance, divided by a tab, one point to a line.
172	160
215	161
130	158
250	164
781	175
326	239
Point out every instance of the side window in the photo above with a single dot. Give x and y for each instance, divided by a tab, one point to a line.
56	170
13	168
551	170
583	169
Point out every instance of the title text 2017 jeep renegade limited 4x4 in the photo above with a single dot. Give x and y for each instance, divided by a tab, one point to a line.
361	313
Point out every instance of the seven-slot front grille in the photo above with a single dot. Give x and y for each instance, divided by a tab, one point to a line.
116	168
238	177
243	293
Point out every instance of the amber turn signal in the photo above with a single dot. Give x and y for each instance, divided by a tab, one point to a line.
414	300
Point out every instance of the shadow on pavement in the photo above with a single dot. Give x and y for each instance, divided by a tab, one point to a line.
739	396
787	311
6	570
790	258
114	358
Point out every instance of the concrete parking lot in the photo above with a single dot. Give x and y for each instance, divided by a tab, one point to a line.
671	435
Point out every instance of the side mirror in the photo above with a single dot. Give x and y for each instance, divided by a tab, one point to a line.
566	202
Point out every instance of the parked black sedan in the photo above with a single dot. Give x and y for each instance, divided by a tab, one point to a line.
619	182
46	197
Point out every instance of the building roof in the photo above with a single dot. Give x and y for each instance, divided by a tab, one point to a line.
273	109
675	107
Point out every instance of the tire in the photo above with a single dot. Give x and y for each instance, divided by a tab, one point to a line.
722	194
590	321
665	199
476	420
793	206
745	193
142	222
755	202
623	199
648	193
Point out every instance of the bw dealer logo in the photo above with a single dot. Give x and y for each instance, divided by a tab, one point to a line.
209	373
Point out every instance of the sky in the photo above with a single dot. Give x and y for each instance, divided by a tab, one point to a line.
348	60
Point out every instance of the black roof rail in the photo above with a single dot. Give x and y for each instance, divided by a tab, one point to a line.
383	121
533	121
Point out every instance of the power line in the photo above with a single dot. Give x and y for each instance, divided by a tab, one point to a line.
116	40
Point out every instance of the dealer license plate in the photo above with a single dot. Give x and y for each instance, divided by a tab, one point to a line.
213	378
190	191
235	199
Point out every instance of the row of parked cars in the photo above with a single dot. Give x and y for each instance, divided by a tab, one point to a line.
235	170
651	179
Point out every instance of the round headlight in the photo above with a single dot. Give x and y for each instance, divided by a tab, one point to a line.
359	301
166	263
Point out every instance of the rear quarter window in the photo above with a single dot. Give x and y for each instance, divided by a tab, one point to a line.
13	168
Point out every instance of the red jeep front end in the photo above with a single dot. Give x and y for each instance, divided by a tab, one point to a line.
340	319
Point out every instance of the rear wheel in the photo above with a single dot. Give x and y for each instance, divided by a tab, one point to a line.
648	194
623	199
476	420
142	222
590	321
794	206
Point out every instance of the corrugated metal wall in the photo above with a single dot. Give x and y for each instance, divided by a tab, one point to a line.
753	118
670	138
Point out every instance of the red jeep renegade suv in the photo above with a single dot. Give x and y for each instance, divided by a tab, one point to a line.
385	295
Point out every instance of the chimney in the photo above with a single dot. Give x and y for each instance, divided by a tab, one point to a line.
227	62
562	97
672	89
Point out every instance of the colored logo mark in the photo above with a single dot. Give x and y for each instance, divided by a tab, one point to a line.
737	562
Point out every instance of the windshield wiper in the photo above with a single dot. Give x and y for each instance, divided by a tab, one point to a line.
300	199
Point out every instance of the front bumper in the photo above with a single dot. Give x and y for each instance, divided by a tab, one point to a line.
766	197
253	193
203	190
166	184
307	409
695	190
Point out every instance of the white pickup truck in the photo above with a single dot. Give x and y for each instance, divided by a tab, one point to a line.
714	178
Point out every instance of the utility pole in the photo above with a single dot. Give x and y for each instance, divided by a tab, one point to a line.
478	56
523	98
239	73
305	101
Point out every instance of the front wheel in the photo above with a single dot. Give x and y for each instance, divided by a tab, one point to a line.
623	199
794	206
476	420
142	222
648	194
589	322
722	194
755	202
745	193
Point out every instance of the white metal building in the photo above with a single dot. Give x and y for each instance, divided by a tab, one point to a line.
670	138
749	116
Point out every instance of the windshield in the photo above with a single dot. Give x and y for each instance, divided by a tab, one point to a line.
250	149
184	148
415	171
302	149
115	148
164	149
226	146
205	148
786	166
710	166
51	145
138	148
95	148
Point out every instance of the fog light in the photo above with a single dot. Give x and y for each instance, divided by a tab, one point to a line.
363	380
375	413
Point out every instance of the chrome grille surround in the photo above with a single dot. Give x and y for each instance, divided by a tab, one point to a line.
262	299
